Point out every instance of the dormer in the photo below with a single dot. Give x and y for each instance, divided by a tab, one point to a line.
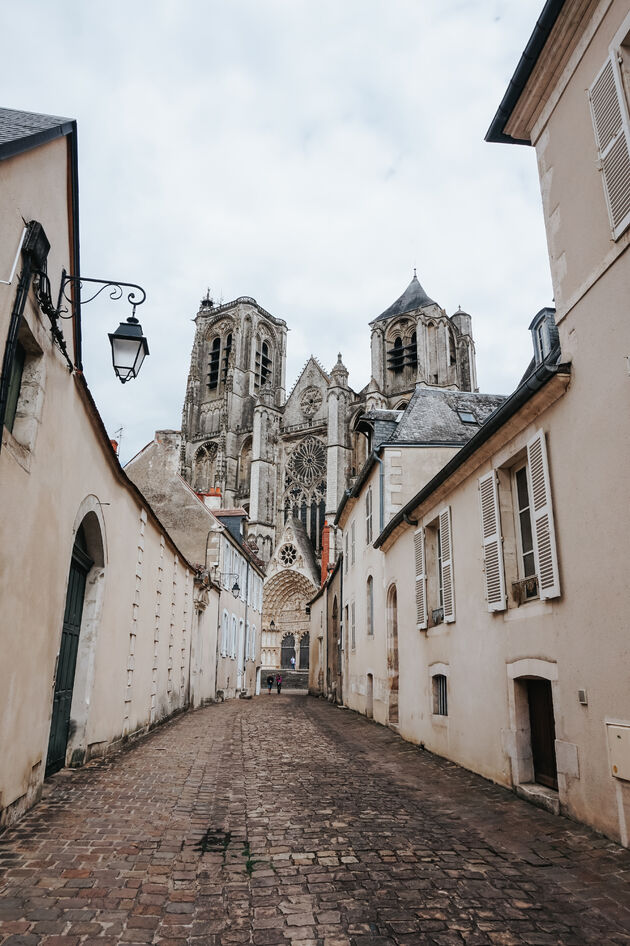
544	334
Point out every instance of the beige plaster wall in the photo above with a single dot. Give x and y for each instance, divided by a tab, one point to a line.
579	641
134	649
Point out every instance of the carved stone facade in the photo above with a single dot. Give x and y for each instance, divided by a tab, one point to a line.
289	460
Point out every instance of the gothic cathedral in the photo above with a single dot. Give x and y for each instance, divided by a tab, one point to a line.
287	460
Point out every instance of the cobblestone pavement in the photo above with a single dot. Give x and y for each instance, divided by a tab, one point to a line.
283	820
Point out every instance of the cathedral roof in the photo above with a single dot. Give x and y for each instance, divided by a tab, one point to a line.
414	297
436	415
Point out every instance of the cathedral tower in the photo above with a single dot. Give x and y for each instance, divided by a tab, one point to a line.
238	360
415	341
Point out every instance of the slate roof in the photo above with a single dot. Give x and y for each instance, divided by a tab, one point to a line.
432	416
20	131
414	297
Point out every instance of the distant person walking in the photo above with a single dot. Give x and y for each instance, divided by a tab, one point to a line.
278	682
292	663
269	682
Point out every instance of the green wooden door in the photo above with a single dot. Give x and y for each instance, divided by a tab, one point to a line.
67	660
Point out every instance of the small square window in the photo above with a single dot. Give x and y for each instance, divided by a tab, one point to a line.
467	417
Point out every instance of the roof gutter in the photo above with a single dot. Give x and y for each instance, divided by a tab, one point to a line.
544	25
537	380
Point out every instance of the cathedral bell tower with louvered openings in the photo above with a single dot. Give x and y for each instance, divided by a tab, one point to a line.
238	357
415	341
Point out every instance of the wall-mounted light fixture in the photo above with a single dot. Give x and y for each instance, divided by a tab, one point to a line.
129	346
227	577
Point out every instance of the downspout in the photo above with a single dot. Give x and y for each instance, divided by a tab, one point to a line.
247	637
344	639
381	494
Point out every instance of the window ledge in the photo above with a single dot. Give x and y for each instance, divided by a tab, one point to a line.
438	719
530	609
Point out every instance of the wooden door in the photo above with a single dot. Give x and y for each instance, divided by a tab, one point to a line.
543	732
67	660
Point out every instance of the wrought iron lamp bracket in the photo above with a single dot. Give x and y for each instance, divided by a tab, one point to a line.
115	286
136	296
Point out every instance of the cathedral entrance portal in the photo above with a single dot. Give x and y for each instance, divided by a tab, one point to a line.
285	597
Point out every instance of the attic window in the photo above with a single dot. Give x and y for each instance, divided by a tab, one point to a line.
467	417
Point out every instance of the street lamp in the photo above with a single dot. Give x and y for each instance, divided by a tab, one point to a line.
129	348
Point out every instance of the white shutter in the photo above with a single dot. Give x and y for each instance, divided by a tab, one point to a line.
545	554
612	134
492	544
421	580
448	585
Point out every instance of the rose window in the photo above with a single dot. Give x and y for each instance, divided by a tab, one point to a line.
287	554
307	463
310	402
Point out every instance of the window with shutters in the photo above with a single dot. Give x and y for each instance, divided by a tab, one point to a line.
233	637
517	529
353	630
345	554
225	633
438	563
352	544
608	97
370	606
524	534
368	516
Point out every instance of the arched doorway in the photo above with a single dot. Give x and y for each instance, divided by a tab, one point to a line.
75	661
287	651
392	654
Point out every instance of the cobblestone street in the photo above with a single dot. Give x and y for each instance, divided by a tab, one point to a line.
286	820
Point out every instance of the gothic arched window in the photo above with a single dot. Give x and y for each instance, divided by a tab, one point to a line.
227	348
263	364
204	467
412	352
215	354
287	650
433	352
396	356
452	348
244	465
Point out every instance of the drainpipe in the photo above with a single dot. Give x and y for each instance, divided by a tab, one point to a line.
247	638
344	638
381	493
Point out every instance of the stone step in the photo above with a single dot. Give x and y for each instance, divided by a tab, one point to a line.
291	679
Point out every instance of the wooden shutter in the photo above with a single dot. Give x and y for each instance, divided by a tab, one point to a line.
448	584
545	555
492	543
421	580
612	134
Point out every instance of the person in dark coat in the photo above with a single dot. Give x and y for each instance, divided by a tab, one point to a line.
269	682
278	682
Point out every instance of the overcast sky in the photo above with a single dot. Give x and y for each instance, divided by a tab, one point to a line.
308	153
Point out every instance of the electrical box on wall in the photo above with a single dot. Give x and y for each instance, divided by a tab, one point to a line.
619	749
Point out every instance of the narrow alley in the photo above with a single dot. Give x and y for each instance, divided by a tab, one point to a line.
286	820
